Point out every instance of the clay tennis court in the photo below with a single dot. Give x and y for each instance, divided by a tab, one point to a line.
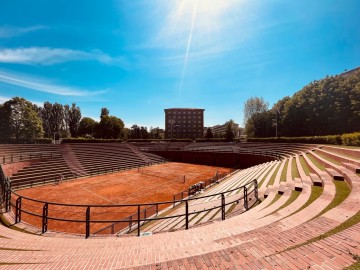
145	185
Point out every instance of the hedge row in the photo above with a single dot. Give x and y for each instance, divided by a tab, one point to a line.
159	140
28	141
351	139
86	140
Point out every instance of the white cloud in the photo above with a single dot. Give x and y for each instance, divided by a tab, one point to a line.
7	31
42	85
51	56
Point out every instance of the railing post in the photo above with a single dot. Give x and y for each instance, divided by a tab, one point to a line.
186	214
18	210
256	190
87	222
157	209
222	206
44	218
245	199
7	195
138	221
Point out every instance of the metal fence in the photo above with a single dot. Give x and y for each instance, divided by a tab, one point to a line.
89	214
28	156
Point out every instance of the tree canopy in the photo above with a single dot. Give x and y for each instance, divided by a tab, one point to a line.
326	107
19	121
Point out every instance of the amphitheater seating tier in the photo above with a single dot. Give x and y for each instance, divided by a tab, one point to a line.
276	234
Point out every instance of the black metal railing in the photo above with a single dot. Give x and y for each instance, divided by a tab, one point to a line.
261	152
47	211
26	183
28	156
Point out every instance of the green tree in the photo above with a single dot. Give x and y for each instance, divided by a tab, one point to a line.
209	133
20	121
104	112
229	130
87	127
254	105
135	132
110	127
72	118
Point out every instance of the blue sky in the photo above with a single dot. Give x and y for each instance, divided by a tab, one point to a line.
139	57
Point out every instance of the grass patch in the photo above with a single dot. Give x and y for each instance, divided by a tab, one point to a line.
277	196
315	193
343	226
316	162
272	179
283	173
200	219
292	198
294	195
342	192
329	159
304	165
355	266
294	169
263	179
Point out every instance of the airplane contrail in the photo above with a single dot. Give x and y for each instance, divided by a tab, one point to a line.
188	44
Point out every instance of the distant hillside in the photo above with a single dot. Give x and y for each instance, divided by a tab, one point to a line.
328	106
350	72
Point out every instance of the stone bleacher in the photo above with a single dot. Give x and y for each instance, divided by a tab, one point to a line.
272	235
70	161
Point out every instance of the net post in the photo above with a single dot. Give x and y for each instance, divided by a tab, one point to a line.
87	222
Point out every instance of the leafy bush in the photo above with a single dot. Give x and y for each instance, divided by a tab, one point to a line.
352	139
211	140
158	140
43	141
85	140
331	139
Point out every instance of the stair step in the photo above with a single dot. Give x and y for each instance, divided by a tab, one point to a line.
282	188
353	167
316	180
298	184
334	174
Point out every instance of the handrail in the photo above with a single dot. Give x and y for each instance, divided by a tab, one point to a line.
28	156
138	219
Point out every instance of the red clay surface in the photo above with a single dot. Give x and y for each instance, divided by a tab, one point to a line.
151	184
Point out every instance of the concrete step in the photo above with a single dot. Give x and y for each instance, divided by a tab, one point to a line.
316	180
352	167
298	184
334	174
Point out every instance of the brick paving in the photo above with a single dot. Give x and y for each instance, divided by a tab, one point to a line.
257	239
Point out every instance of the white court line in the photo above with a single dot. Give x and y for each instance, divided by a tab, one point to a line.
98	195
